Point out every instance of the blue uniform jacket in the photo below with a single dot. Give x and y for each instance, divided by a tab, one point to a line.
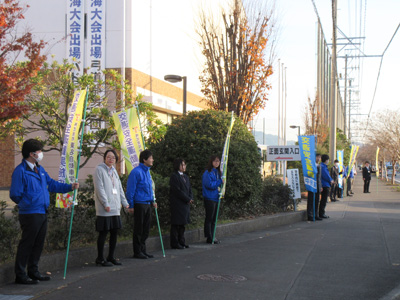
139	188
31	191
325	177
211	181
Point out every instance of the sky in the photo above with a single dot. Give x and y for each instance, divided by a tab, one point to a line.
297	50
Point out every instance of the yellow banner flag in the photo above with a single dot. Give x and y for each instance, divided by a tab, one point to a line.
377	162
69	155
129	136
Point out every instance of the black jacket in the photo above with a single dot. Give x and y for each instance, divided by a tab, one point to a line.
180	194
367	173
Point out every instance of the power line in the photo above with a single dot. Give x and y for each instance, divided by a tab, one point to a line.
377	79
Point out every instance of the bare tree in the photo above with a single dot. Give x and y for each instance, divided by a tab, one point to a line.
237	67
384	131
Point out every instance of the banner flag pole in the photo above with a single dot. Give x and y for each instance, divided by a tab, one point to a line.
224	167
76	180
154	196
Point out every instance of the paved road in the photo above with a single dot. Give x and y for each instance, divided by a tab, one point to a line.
355	254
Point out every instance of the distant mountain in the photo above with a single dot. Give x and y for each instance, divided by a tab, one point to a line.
270	139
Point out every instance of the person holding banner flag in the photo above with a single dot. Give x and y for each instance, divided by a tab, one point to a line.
326	181
139	193
108	197
30	188
211	182
313	198
335	185
367	176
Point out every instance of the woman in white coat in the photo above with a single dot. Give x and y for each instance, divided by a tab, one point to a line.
108	196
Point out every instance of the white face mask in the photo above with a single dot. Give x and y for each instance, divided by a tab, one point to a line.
40	157
337	165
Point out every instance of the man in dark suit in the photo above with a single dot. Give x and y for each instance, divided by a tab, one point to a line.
335	176
367	176
180	197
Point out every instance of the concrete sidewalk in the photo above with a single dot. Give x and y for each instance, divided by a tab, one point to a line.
355	254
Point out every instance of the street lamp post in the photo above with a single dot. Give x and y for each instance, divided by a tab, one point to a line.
177	78
294	126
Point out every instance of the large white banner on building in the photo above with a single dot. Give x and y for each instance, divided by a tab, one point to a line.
75	35
96	37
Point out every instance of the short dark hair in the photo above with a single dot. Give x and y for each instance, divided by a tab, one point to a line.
144	155
336	161
324	157
367	162
317	154
210	163
31	145
113	151
177	163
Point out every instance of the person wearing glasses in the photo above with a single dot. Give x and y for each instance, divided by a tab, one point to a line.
211	182
180	197
108	196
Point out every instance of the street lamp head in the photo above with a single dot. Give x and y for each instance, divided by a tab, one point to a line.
293	126
173	78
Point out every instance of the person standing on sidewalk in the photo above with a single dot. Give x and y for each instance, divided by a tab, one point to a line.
310	199
335	185
180	197
139	193
211	182
108	197
30	186
350	182
326	181
367	176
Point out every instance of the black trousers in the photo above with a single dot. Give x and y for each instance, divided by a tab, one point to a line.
101	240
141	227
211	215
34	228
324	199
334	191
177	236
310	200
349	186
366	185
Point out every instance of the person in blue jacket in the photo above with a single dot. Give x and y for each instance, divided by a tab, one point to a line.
139	194
326	181
211	182
30	186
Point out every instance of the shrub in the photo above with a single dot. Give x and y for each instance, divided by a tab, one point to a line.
197	136
276	197
9	235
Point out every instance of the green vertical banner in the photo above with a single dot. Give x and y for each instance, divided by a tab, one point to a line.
225	154
69	154
224	167
129	136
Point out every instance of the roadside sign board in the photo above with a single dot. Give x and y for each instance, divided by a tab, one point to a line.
283	153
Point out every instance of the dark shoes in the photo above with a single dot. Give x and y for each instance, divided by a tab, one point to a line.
209	241
26	280
38	276
140	256
324	216
185	246
180	247
104	263
114	261
349	195
148	255
316	219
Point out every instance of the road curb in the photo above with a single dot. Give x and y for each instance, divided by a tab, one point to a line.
80	257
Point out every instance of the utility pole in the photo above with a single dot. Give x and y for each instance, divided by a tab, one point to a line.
333	102
345	96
